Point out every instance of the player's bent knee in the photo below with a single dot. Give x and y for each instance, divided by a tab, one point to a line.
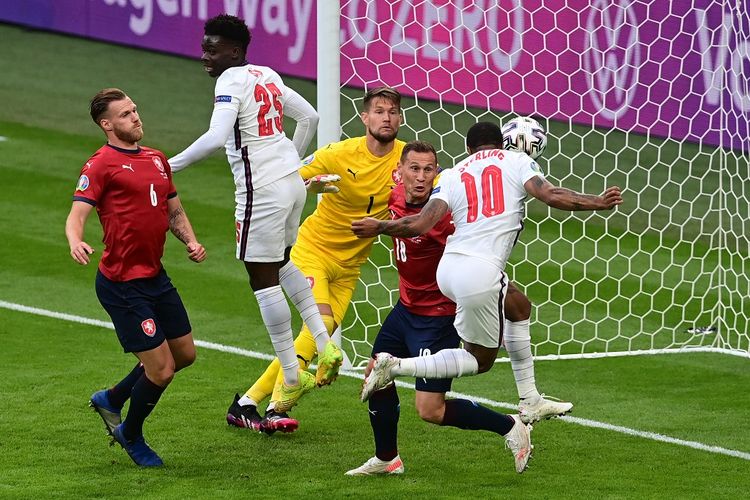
430	406
517	306
485	365
485	358
431	414
185	360
162	377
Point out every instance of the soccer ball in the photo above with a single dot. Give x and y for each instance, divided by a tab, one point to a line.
525	135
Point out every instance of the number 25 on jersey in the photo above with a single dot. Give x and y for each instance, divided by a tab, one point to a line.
265	95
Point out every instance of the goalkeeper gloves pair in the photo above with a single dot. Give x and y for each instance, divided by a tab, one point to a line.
323	183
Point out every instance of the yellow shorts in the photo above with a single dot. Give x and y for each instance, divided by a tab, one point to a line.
331	282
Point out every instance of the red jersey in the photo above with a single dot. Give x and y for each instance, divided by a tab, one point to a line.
417	261
129	189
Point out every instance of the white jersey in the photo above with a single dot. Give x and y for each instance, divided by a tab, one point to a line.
258	150
485	194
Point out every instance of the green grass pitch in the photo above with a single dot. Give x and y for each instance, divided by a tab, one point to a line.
52	445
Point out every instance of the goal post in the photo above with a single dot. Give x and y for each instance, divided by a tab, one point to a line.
652	97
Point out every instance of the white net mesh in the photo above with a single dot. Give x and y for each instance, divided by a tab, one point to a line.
649	96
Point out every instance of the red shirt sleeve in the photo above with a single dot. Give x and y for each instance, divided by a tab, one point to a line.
92	182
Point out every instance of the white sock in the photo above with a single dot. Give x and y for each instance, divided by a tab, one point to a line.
448	363
298	290
278	320
518	346
246	401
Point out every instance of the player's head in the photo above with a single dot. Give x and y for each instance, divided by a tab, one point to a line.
484	135
382	113
224	45
117	115
418	168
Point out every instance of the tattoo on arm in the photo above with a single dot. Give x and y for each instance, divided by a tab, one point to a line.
578	201
177	224
402	227
414	225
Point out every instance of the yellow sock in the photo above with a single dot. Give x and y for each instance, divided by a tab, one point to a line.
306	349
264	385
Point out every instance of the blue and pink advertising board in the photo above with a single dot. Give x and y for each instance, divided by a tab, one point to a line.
672	69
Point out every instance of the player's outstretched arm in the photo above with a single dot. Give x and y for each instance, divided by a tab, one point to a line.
74	225
566	199
180	226
222	123
406	227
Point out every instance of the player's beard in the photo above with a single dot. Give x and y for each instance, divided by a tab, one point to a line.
384	138
131	136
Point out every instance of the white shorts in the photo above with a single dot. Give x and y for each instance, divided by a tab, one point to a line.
268	221
478	288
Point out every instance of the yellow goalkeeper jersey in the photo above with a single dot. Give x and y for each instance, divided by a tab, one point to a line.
366	183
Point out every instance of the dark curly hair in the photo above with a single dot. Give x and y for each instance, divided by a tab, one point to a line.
230	27
484	134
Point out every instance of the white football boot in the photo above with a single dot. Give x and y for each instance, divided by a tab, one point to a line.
535	409
375	466
518	440
380	375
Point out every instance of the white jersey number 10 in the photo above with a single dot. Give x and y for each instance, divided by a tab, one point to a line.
493	200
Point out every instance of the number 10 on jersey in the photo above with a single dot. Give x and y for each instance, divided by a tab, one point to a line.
493	199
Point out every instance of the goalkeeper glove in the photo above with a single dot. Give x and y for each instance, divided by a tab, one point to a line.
323	183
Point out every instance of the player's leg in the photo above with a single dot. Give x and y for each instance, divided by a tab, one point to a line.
173	318
306	350
477	291
464	414
299	291
517	339
333	287
278	320
108	403
171	311
243	411
384	405
343	279
319	274
262	251
476	288
469	415
131	307
315	273
168	324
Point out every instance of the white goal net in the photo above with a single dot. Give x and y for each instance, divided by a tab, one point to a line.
650	96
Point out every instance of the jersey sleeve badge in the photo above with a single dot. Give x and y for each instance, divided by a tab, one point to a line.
223	98
83	183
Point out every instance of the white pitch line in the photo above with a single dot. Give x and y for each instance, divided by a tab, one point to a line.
259	355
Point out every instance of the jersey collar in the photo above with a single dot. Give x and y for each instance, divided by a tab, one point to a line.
123	150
